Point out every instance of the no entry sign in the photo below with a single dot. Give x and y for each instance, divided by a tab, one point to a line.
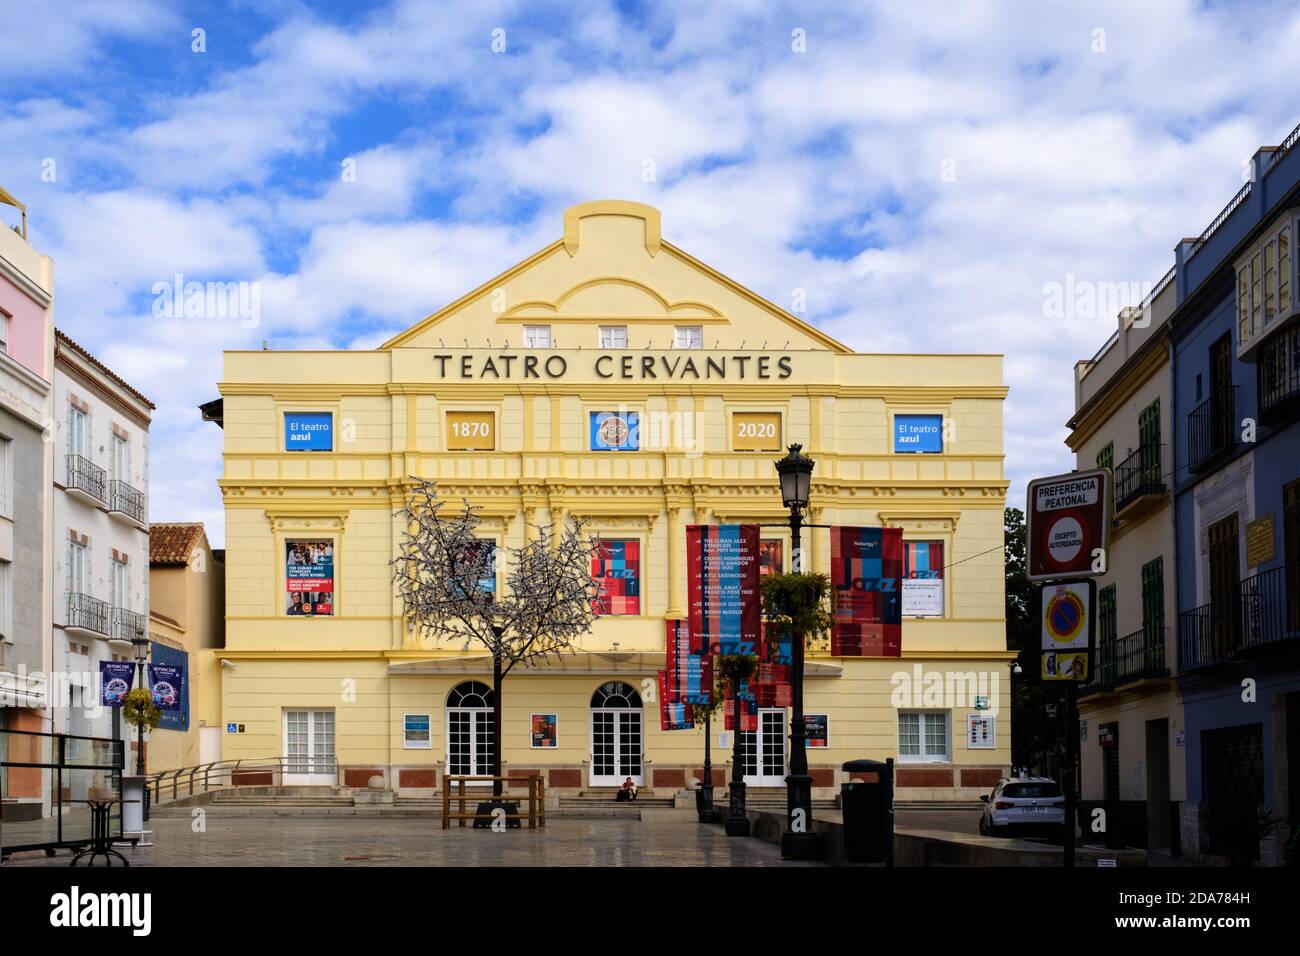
1067	523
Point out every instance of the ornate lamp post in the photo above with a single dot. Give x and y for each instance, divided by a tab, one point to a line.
140	649
798	842
704	801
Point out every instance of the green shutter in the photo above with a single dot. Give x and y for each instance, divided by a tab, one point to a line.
1106	457
1153	615
1149	445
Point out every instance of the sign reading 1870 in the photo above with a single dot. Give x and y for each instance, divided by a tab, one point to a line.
1067	525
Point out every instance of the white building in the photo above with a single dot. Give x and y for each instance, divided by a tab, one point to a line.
100	556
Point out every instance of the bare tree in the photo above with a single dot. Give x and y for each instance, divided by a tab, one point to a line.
445	574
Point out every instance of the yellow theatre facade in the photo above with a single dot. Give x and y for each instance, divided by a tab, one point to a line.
610	376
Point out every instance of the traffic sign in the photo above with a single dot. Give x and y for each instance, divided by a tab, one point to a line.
1067	622
1067	522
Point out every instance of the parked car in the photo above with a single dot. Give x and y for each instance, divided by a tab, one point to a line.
1024	805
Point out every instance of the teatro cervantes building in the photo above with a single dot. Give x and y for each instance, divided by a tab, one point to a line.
505	397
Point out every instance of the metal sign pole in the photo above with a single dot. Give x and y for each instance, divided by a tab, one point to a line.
1071	762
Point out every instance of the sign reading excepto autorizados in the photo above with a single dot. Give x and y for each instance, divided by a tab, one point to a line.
1067	525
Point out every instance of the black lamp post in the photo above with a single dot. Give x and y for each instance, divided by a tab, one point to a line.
140	648
704	802
737	822
798	842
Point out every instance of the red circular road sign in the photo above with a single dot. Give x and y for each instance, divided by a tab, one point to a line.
1065	544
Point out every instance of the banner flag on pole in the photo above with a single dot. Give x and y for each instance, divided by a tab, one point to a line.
866	573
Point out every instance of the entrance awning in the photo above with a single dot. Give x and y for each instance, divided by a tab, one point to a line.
583	662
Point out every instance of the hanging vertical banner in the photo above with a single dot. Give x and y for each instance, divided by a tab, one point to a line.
866	569
689	675
923	579
116	678
725	601
165	685
672	716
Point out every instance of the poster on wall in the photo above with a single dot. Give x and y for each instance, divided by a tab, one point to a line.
725	601
816	730
923	579
308	431
165	686
921	434
309	577
615	431
616	566
980	732
545	731
416	732
173	664
866	568
673	716
115	680
479	559
689	675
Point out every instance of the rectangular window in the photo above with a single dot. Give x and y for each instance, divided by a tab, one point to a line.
689	337
471	431
119	585
537	336
1106	457
1153	616
1270	281
4	331
613	336
309	578
6	478
120	459
923	736
78	437
756	431
1291	551
616	566
923	579
6	603
78	570
1284	270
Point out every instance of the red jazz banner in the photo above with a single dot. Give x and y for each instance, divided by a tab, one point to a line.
726	615
866	573
672	716
688	676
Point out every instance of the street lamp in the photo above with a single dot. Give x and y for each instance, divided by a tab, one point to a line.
798	842
140	649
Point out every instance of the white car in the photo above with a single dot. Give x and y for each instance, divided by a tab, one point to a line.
1025	805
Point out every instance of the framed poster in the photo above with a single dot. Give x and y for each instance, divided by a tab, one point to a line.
616	566
923	579
771	556
545	731
816	731
309	577
866	565
416	732
980	732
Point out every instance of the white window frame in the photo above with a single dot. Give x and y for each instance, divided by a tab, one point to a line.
6	477
78	557
685	335
119	459
119	585
924	719
537	336
1263	267
5	320
609	335
6	603
78	431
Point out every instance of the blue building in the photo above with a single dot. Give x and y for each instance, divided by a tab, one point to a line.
1235	366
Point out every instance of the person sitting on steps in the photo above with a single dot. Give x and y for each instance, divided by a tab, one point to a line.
627	791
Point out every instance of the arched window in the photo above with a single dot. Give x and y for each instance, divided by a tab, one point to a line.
471	694
616	694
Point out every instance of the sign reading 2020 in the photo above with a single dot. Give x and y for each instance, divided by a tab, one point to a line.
308	431
1067	525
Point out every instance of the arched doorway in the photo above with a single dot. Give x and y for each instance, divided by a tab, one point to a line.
615	735
470	741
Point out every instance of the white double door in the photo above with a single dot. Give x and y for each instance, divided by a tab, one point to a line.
309	747
616	747
762	754
469	743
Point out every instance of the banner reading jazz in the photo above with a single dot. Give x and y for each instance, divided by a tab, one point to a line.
726	613
866	568
672	716
688	676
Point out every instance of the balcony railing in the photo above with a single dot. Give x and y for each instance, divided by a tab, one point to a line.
1133	657
1262	609
128	625
126	500
85	475
1279	374
87	613
1137	475
1211	431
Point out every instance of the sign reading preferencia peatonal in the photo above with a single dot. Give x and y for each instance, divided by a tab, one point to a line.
615	378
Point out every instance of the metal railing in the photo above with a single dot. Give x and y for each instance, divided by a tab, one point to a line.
1210	428
1221	218
1262	609
85	475
127	625
127	500
1139	474
1292	138
223	774
1133	657
88	613
1279	371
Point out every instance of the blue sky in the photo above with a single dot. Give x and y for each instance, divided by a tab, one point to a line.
922	170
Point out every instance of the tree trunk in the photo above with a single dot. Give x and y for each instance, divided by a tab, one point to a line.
496	724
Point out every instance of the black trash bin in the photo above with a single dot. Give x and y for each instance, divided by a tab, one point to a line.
867	804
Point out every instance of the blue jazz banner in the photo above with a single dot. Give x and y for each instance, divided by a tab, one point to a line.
722	565
689	676
115	680
165	682
672	716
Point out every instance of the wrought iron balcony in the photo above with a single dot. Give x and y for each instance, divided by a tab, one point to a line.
86	478
127	501
1211	428
1138	476
1279	376
88	614
128	625
1133	657
1262	609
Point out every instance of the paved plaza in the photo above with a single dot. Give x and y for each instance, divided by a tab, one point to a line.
420	842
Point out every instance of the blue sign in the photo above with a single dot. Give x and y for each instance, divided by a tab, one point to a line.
169	683
116	678
615	431
231	728
308	431
918	433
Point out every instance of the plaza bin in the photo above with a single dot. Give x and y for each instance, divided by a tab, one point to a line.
867	805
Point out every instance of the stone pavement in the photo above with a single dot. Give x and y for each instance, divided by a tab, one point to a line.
420	842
